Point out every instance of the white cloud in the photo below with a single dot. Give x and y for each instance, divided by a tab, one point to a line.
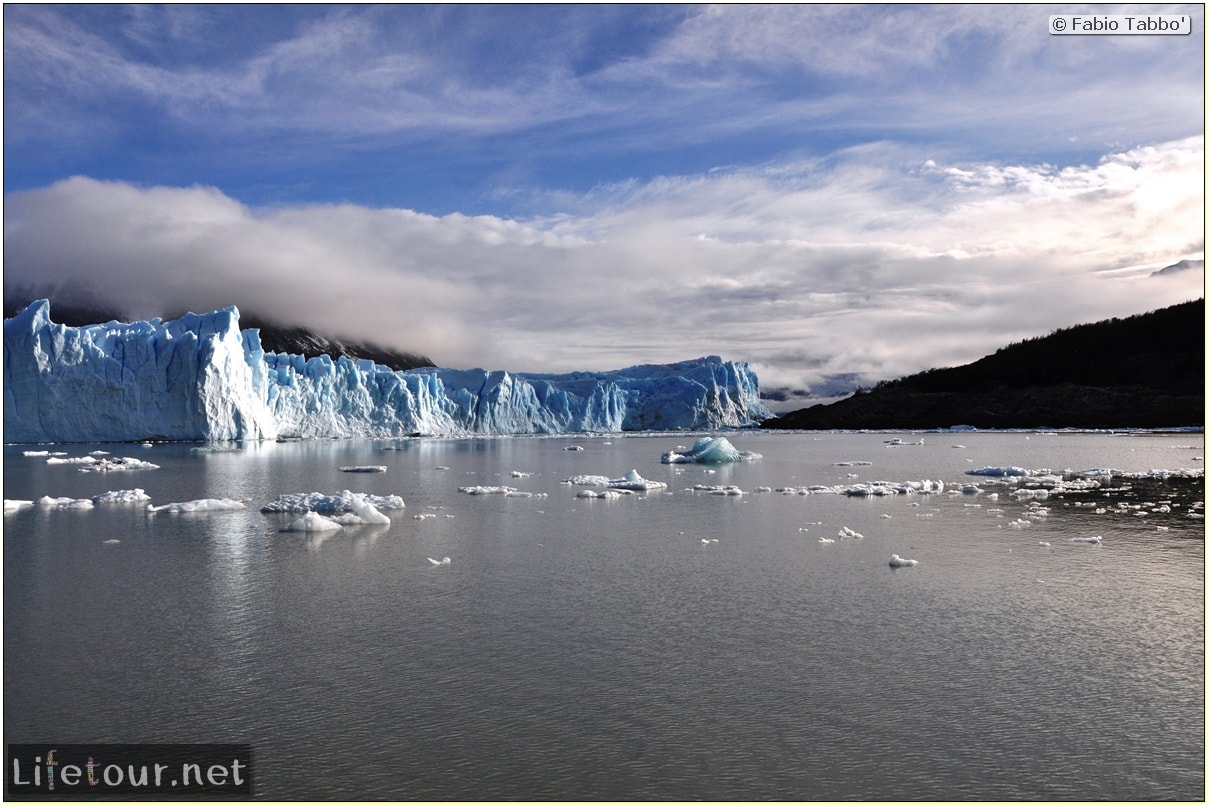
881	261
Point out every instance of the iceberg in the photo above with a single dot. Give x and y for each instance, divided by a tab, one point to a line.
710	451
201	377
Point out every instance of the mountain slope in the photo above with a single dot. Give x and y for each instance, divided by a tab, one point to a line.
1145	371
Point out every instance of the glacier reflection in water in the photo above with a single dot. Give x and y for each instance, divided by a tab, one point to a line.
585	648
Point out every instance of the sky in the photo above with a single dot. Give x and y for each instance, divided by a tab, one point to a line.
820	191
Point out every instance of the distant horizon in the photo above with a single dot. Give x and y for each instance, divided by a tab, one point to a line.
819	192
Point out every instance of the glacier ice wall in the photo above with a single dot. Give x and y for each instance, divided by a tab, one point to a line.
201	378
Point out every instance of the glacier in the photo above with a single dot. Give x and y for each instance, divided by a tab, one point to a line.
201	377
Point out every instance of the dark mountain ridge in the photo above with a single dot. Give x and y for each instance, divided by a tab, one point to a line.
274	338
1143	371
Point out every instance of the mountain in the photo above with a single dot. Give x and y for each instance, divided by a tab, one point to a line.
1144	371
274	337
201	377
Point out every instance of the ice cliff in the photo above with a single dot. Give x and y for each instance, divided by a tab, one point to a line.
202	378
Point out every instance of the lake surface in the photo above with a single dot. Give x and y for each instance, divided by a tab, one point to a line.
598	649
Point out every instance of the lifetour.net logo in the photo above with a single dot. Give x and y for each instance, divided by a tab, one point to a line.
103	771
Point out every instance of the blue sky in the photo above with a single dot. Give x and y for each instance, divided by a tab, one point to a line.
815	190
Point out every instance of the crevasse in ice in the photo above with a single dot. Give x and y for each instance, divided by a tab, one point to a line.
202	378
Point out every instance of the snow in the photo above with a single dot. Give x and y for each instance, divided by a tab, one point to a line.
202	378
709	451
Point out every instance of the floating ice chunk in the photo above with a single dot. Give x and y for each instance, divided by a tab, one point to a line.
1038	494
423	516
14	504
201	505
111	541
519	474
609	493
573	448
860	463
366	511
845	532
313	522
971	489
121	497
999	471
710	451
46	502
442	561
1043	543
899	562
826	540
486	490
717	489
364	469
1094	540
630	481
119	463
318	502
71	460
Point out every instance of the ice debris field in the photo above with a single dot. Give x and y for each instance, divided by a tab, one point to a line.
324	513
202	378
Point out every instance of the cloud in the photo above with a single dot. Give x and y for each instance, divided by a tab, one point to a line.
878	261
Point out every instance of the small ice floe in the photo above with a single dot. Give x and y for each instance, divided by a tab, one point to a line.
1093	540
970	489
706	541
630	481
859	463
899	562
43	453
136	496
763	489
899	441
442	561
709	451
363	469
480	489
1020	523
71	460
849	533
46	502
200	505
999	471
1043	543
423	516
313	522
117	463
609	493
826	539
14	504
520	474
886	516
98	453
111	541
340	502
573	448
717	489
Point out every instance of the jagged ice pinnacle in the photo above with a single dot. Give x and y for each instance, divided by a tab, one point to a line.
201	378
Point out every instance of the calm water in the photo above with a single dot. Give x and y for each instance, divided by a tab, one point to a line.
597	649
